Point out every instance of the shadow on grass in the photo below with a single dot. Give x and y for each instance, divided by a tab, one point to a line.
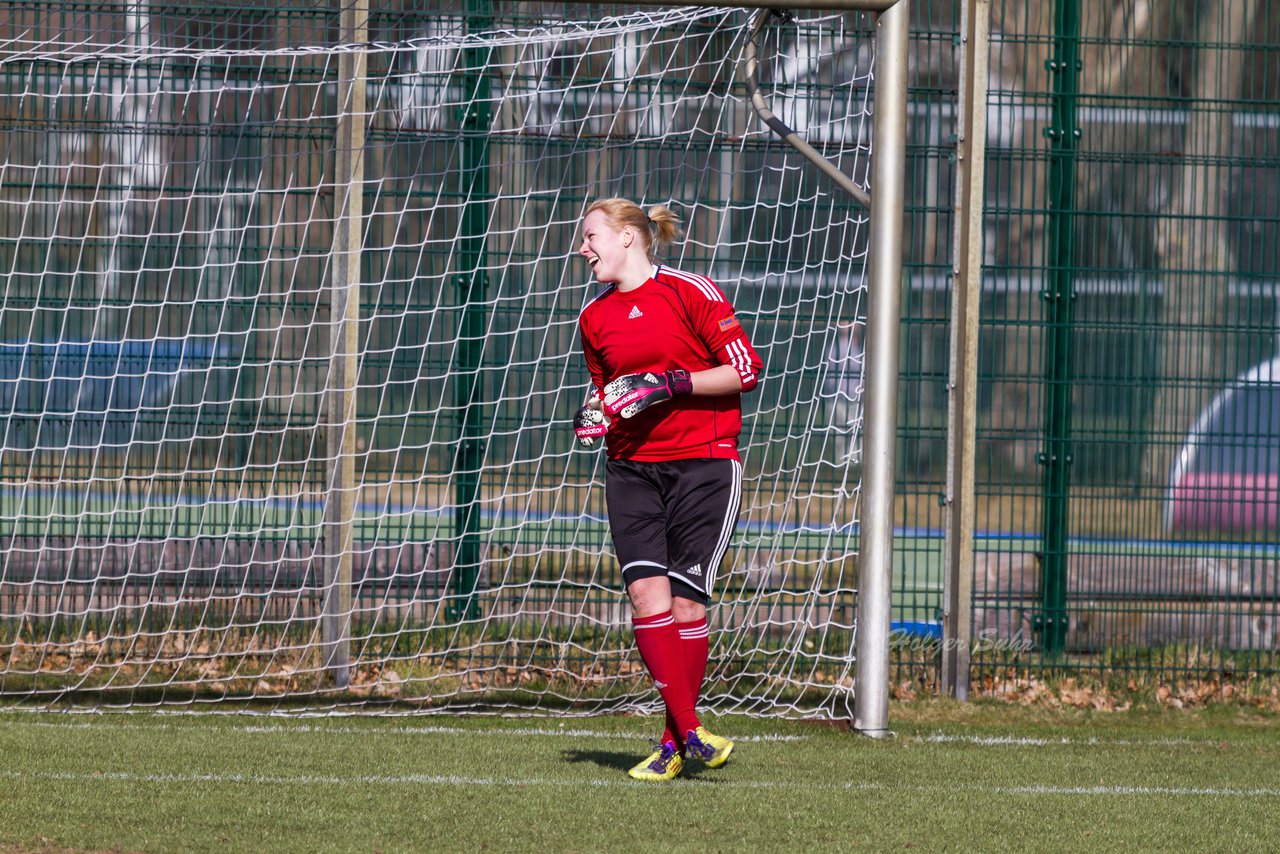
624	761
603	758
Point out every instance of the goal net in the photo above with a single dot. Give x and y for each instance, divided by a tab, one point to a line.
169	186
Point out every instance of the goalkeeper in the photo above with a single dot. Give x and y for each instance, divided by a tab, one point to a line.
669	362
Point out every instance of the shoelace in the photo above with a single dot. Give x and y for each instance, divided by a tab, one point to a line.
698	746
665	752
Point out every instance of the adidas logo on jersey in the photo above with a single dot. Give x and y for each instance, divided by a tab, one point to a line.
635	312
696	569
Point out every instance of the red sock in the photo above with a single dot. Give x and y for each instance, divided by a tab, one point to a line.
660	648
696	648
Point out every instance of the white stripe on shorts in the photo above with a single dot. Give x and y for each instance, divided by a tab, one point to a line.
726	529
680	576
642	563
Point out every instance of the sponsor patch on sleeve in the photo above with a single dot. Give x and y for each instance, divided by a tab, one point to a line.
728	323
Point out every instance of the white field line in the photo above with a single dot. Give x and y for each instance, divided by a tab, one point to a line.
463	780
304	729
1064	741
935	738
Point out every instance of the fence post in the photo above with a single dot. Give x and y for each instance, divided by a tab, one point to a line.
344	320
1059	296
966	298
471	286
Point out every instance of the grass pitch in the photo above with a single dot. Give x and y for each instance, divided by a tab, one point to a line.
977	777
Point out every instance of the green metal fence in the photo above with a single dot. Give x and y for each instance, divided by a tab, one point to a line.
1129	441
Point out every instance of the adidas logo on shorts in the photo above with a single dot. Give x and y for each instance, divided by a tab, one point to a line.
635	312
696	569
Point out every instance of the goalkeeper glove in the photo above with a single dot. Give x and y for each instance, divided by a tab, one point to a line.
589	424
632	394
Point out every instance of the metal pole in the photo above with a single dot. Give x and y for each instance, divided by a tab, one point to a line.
344	319
1059	296
781	129
888	176
471	287
966	293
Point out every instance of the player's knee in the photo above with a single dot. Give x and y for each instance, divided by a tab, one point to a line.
649	596
687	610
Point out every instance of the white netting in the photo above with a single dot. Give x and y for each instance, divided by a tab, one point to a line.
166	221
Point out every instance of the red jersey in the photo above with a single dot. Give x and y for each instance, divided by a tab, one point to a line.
673	320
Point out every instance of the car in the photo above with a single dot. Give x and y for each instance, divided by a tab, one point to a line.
1226	478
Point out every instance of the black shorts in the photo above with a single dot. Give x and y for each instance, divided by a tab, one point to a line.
673	518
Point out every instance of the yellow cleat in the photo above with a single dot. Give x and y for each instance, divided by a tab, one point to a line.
661	765
712	749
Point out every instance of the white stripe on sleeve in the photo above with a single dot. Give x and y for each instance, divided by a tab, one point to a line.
702	283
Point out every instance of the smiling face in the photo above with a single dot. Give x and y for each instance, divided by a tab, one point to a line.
606	248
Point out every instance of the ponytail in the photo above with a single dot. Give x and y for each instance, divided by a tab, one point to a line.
659	227
664	223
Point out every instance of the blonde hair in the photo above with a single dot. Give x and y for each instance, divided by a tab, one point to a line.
658	227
